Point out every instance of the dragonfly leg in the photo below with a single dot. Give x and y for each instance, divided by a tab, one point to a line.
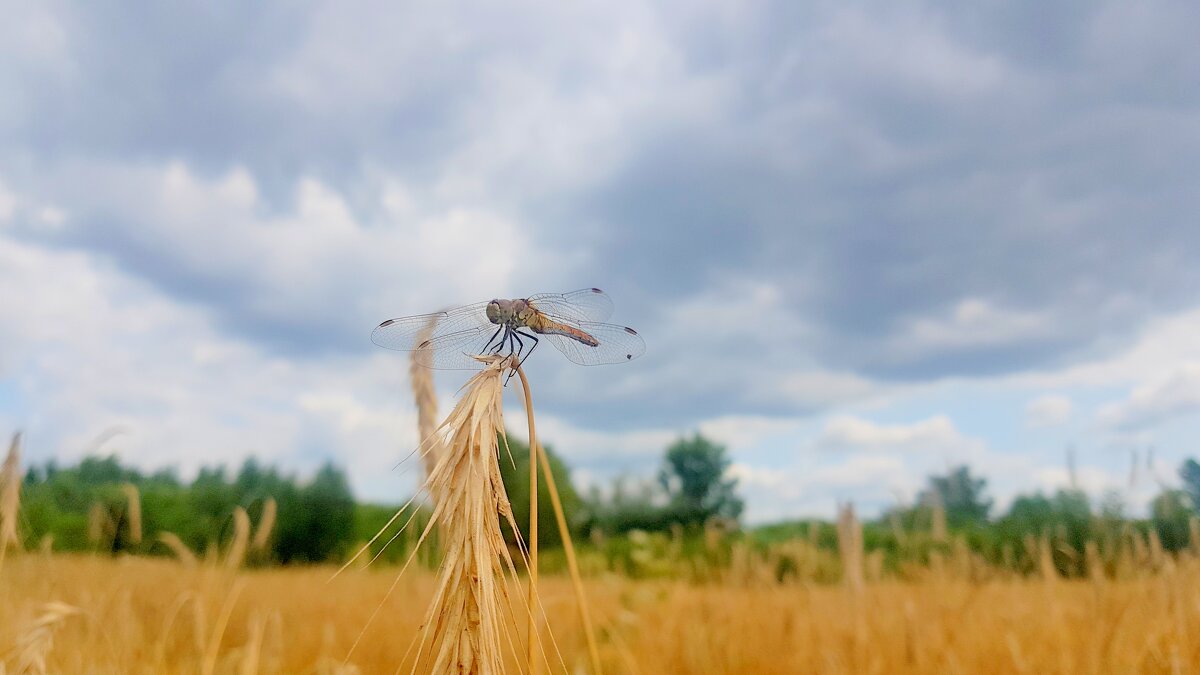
532	347
508	335
520	345
492	339
514	346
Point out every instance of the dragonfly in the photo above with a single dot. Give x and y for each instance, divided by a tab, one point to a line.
572	322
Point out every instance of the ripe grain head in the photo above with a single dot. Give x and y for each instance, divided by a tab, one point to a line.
266	523
133	512
465	624
241	538
431	447
10	497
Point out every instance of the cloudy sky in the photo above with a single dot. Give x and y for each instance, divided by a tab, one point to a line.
863	242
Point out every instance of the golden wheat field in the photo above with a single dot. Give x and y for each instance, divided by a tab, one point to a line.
82	614
93	613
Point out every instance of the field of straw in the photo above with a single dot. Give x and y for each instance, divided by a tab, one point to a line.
1137	610
63	614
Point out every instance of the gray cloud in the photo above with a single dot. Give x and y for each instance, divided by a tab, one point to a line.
885	170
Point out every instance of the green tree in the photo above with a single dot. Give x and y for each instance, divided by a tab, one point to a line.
694	476
1169	512
1066	518
317	521
963	496
630	505
514	470
1189	473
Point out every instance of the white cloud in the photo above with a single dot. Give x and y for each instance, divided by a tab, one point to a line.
972	323
1050	410
97	350
1151	404
259	265
852	459
588	446
1162	344
936	435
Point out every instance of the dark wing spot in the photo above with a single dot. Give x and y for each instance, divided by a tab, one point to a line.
597	290
630	330
423	345
387	323
628	356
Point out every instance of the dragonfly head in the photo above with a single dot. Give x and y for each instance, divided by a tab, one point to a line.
511	312
494	313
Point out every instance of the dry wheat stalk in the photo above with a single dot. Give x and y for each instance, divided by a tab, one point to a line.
36	641
252	651
937	517
266	523
427	405
214	640
565	534
236	554
100	524
10	497
180	549
1093	562
850	545
199	626
133	511
1046	566
897	528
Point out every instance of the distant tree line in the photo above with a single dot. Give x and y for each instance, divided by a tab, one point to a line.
315	518
693	488
318	520
956	506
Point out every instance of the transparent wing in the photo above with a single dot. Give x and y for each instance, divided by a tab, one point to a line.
454	351
586	304
405	333
617	344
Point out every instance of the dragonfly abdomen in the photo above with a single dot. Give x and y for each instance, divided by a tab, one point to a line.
548	326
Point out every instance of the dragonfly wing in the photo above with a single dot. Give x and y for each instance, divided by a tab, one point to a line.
406	332
586	304
617	344
454	351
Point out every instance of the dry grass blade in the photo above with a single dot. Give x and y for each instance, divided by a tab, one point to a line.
36	641
1194	535
266	523
466	615
252	652
214	640
199	626
133	511
937	517
236	554
850	545
427	405
100	524
180	549
563	530
10	498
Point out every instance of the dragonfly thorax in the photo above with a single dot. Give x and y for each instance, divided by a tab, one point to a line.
510	312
